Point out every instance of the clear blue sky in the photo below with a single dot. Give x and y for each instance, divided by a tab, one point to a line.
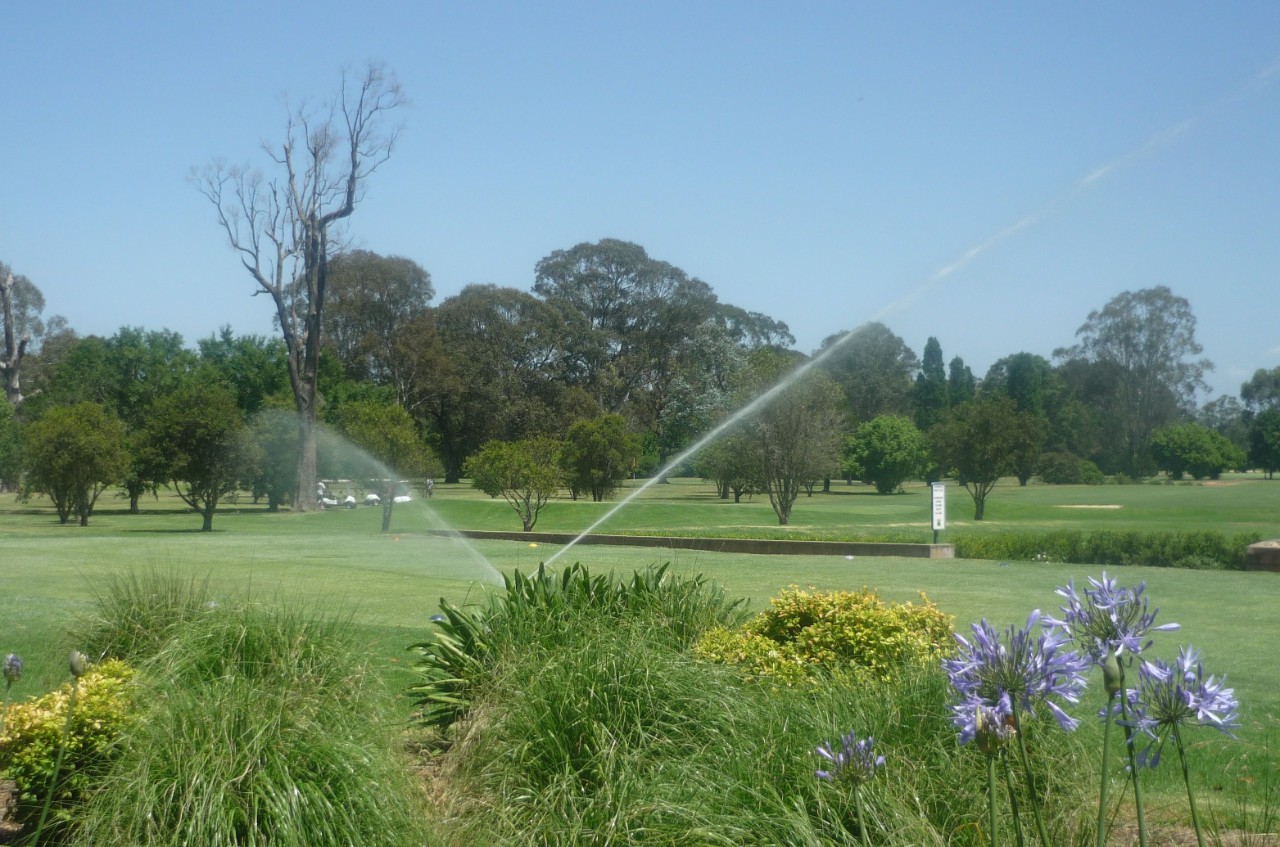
984	173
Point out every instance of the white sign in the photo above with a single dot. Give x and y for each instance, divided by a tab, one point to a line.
939	506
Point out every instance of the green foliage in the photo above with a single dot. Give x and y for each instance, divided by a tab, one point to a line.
888	450
466	644
73	453
598	454
1264	441
253	726
1194	449
34	733
136	612
835	633
1066	469
524	473
982	441
1197	549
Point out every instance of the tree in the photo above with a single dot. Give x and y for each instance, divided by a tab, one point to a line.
272	472
1026	379
525	473
1148	337
254	366
631	319
961	387
495	375
1194	449
284	230
795	437
598	454
10	452
873	368
732	464
387	435
1264	441
73	454
20	306
372	300
887	451
1262	391
199	431
930	393
979	441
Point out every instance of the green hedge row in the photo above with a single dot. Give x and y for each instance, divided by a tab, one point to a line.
1198	549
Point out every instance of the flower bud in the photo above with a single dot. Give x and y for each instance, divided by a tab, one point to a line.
12	668
79	663
1112	674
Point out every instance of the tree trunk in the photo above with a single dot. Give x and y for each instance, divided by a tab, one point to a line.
979	507
207	513
304	498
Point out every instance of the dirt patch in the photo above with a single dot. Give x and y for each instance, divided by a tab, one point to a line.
1094	506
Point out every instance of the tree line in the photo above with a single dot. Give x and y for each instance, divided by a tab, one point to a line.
635	353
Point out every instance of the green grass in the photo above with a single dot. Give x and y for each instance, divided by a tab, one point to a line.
391	584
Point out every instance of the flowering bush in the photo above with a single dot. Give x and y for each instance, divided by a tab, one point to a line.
839	632
33	734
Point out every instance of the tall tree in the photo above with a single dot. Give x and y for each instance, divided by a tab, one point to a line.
372	300
961	386
256	367
1148	337
1264	441
598	454
1026	379
930	394
1262	391
631	320
874	369
20	306
284	229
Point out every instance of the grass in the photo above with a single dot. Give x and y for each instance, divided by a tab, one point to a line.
391	584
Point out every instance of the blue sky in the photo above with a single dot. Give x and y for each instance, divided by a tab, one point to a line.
984	173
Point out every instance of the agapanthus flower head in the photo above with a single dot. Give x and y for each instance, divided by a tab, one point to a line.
1029	666
991	727
12	668
855	761
1179	695
1109	618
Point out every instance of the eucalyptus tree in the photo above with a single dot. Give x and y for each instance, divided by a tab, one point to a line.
20	306
372	301
632	320
285	229
1262	391
874	369
1147	338
498	375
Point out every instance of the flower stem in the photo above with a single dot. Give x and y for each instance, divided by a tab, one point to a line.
1186	777
57	764
1133	771
1013	802
862	827
1032	792
992	840
1108	720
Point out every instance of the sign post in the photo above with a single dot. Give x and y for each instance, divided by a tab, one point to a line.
939	509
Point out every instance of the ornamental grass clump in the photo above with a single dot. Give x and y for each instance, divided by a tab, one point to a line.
1002	679
1171	697
1112	624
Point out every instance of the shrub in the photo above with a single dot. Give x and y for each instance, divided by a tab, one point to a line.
33	734
1059	469
466	644
1195	549
835	633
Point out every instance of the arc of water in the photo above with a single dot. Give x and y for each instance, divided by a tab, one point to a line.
1165	137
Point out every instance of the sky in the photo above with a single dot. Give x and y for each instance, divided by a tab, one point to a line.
987	174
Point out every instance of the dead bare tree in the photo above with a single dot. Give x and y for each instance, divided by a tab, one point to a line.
281	227
15	339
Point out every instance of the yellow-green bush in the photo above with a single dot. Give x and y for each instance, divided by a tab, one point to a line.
33	732
805	635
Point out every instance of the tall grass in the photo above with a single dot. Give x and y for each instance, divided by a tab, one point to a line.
259	725
607	731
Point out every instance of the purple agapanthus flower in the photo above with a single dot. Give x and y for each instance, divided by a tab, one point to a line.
1109	618
854	762
1029	667
1177	695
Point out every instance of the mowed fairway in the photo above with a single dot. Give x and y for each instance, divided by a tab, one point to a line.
392	583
